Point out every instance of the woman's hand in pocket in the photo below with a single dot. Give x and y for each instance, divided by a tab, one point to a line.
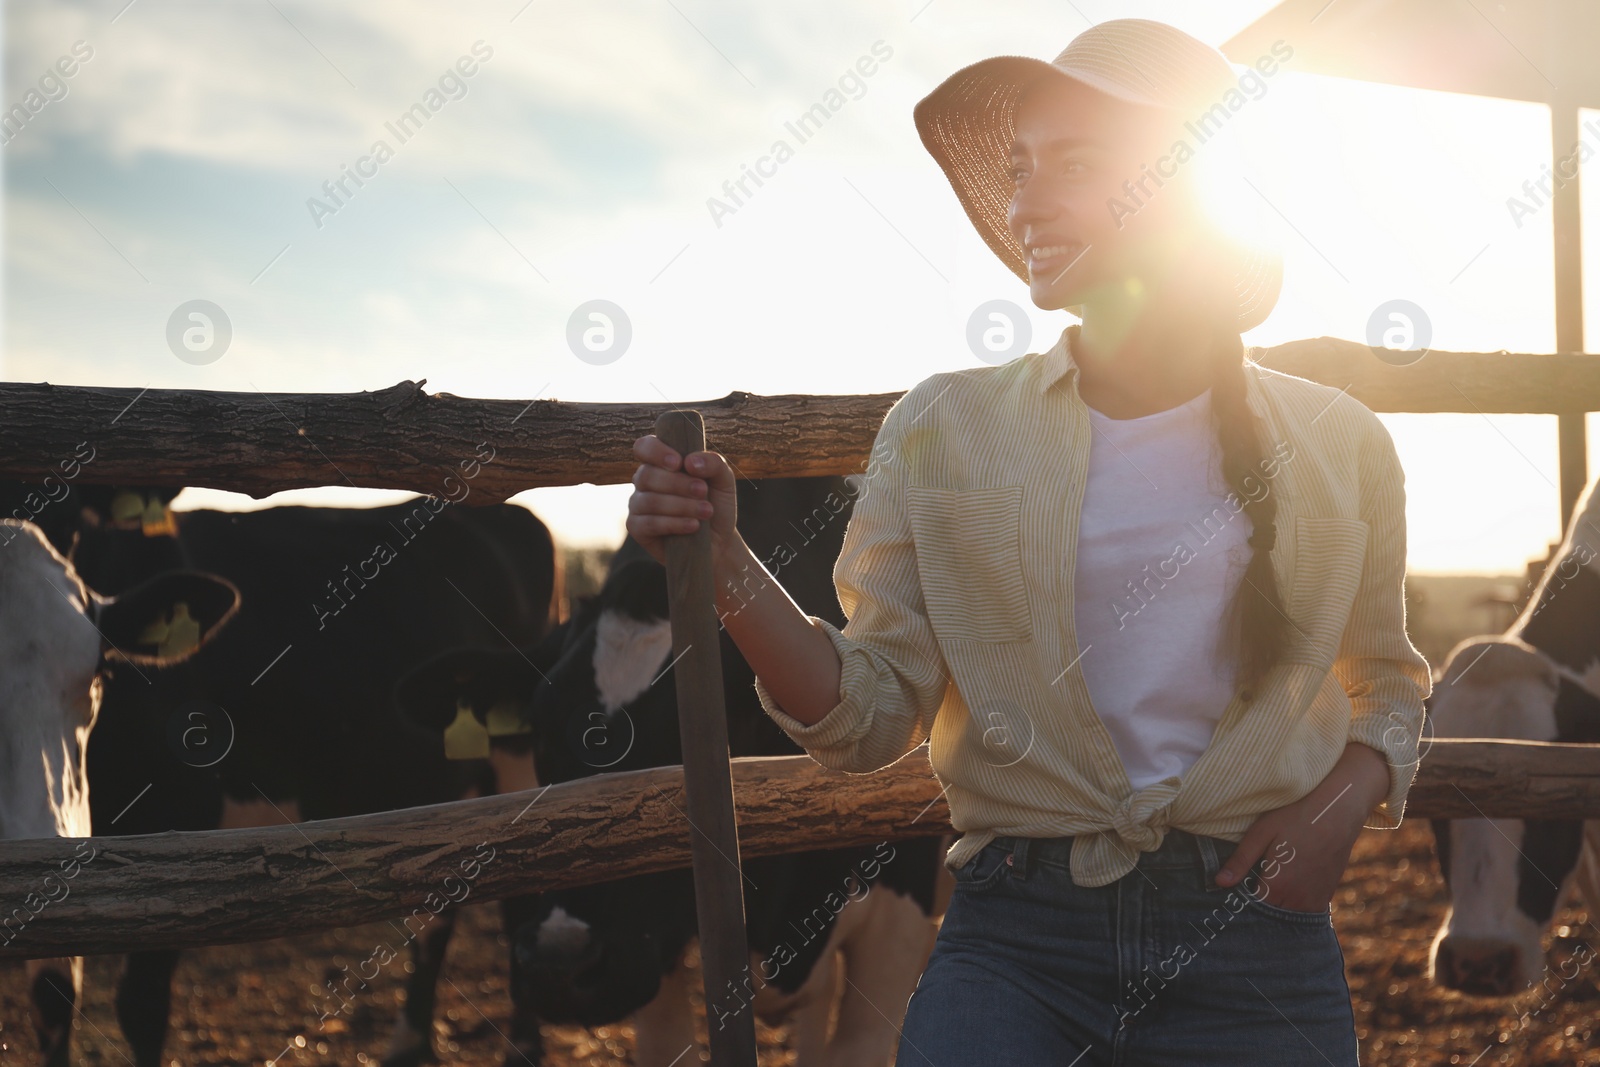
1306	844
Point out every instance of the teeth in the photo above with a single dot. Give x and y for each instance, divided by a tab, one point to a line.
1050	251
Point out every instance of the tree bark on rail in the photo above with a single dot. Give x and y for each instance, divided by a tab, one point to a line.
177	890
399	438
404	438
220	886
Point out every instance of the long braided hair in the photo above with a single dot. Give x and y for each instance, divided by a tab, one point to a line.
1256	614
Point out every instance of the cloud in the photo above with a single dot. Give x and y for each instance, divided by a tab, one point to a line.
301	87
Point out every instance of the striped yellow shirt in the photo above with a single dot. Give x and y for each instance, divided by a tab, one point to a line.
956	576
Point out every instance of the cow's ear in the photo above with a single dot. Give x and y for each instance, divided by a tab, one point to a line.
484	680
426	695
166	619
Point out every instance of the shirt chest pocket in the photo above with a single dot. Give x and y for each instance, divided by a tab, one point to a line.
969	556
1329	557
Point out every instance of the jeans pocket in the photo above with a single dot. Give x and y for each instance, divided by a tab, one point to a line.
1254	888
1293	915
990	867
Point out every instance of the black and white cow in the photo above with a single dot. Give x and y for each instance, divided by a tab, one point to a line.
600	697
1539	681
288	714
57	638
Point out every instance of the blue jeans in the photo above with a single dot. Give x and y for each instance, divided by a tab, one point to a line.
1161	967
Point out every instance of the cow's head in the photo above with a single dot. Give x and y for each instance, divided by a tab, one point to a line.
57	638
595	954
1506	877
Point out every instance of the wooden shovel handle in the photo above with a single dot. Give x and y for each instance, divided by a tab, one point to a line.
708	785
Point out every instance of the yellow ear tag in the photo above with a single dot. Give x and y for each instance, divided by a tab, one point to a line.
465	738
183	632
174	636
156	519
504	720
155	633
127	506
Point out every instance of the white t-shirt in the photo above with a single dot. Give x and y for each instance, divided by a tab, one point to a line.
1160	554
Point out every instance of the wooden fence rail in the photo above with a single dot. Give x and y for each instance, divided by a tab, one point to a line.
115	894
404	438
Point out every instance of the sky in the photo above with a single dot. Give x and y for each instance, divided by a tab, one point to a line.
197	149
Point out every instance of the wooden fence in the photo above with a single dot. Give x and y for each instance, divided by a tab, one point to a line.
404	438
220	886
184	889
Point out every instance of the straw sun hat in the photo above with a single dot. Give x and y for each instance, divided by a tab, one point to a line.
968	123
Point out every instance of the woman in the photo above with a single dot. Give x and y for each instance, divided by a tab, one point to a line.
1144	598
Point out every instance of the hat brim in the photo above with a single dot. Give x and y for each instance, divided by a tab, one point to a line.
968	123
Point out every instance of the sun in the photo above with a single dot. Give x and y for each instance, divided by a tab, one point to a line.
1228	198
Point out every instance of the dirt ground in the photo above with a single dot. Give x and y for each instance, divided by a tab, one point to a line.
251	1004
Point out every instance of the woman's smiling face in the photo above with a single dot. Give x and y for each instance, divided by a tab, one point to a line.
1077	152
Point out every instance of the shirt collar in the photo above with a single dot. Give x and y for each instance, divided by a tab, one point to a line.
1058	363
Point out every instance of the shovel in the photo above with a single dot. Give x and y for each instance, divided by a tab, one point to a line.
707	776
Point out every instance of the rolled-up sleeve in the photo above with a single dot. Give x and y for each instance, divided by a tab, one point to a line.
892	675
1384	675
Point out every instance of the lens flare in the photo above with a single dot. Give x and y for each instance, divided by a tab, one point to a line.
1228	200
